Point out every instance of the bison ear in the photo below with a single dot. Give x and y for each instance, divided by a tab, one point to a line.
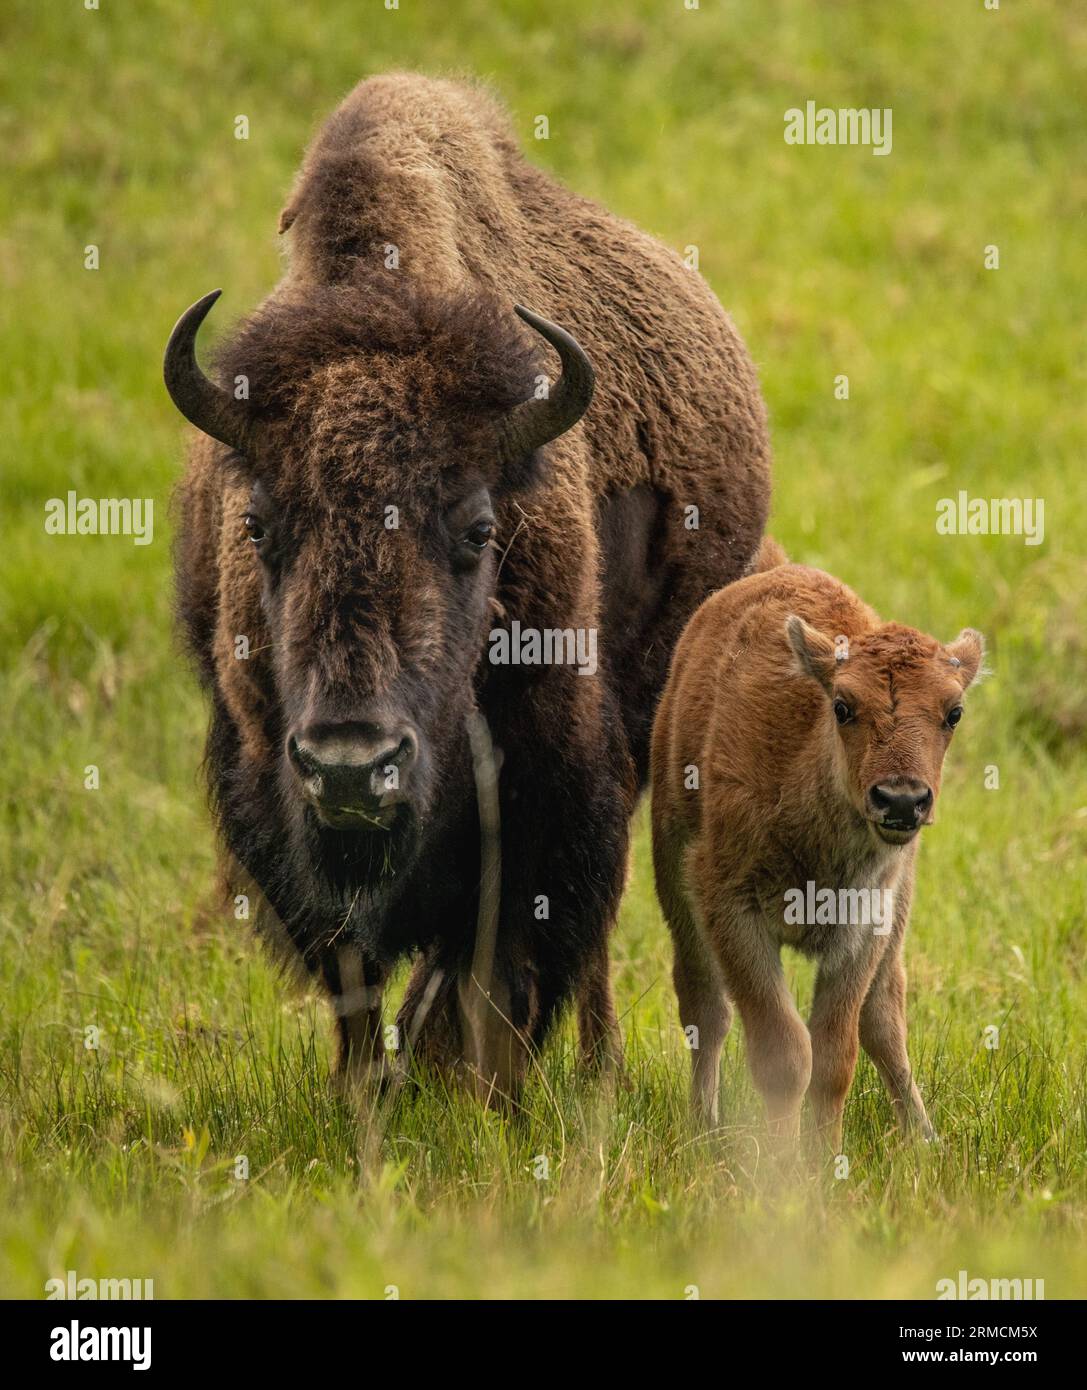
967	653
289	213
813	650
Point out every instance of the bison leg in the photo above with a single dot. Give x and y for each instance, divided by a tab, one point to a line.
585	870
480	1037
553	869
427	1022
598	1024
452	1024
495	1050
355	985
505	1014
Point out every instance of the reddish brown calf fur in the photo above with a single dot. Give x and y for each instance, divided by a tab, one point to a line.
798	748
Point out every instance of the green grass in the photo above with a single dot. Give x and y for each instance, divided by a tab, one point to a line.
117	130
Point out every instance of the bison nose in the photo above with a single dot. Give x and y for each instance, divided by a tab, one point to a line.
901	806
354	772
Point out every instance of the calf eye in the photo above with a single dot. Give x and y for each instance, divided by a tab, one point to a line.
842	712
254	529
953	716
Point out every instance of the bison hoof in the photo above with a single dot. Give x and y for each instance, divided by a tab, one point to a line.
356	1080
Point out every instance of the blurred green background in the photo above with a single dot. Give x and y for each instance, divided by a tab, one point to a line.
117	130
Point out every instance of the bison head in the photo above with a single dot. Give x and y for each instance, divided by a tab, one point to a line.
373	440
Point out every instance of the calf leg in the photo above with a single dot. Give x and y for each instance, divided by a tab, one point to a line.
883	1020
779	1050
705	1014
833	1026
883	1037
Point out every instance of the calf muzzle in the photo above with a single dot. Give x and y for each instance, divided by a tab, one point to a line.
900	807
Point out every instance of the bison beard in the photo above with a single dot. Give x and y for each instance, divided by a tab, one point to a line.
326	884
416	385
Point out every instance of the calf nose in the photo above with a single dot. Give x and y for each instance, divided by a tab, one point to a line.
354	769
901	806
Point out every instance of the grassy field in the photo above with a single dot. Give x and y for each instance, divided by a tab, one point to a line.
118	130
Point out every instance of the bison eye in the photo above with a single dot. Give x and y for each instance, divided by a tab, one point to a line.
479	536
254	528
842	712
953	716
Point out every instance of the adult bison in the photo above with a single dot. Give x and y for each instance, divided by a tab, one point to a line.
391	470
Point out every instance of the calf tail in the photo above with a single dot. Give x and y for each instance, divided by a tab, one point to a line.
768	557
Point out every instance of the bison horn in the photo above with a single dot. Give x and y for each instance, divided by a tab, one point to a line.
202	403
535	422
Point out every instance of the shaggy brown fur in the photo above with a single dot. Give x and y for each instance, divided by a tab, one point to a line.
799	741
381	370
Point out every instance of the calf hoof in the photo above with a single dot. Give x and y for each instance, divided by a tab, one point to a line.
918	1129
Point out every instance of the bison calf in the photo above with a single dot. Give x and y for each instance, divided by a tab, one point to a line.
796	754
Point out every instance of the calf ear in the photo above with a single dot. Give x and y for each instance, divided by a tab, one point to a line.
813	650
967	653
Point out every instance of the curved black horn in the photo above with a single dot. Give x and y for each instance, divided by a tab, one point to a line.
535	422
202	403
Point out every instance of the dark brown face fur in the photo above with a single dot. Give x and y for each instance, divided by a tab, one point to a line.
895	699
371	504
